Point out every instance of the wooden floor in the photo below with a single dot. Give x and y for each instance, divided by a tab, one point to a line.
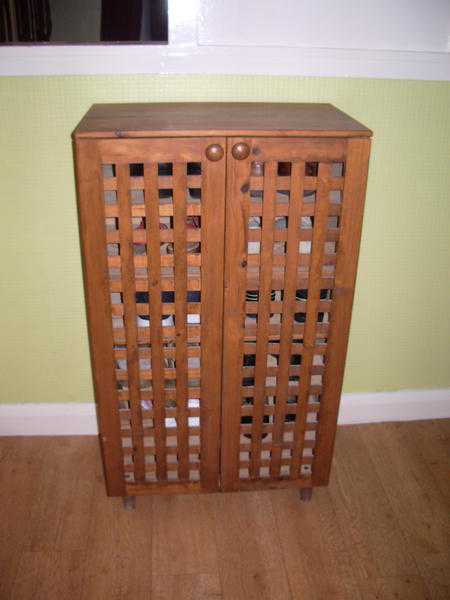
381	529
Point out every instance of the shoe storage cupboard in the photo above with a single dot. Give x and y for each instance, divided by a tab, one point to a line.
220	243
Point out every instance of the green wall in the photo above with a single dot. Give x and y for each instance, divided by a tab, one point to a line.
400	331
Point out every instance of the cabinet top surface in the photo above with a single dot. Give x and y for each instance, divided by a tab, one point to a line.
217	119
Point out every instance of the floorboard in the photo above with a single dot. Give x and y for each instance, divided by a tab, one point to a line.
380	531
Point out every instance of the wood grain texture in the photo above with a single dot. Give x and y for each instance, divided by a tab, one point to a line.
263	316
325	570
419	518
432	448
212	284
67	569
203	586
184	541
379	545
111	568
364	536
130	317
343	292
93	240
248	546
23	483
181	336
236	216
288	237
155	313
312	305
260	267
221	119
288	310
160	438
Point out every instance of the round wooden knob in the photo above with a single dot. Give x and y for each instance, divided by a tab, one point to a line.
214	152
240	151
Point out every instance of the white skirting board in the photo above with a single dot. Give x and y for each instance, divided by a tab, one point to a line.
376	407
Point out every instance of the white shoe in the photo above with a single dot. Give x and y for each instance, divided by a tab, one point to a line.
168	321
141	322
193	362
121	364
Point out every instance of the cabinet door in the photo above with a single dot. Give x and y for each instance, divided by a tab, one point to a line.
293	221
152	224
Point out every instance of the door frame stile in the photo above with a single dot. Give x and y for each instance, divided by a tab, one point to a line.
95	270
234	299
356	168
212	292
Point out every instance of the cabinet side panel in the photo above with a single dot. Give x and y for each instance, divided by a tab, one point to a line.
93	241
343	293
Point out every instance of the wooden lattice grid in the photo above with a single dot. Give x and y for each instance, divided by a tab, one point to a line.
289	239
290	198
254	251
158	206
154	216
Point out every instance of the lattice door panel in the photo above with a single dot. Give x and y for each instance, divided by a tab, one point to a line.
163	207
284	233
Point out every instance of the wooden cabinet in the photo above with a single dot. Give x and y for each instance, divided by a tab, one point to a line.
220	244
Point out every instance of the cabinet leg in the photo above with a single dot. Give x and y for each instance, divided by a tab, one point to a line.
305	494
129	502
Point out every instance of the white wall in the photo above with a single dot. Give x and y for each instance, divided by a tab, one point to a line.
414	25
402	39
